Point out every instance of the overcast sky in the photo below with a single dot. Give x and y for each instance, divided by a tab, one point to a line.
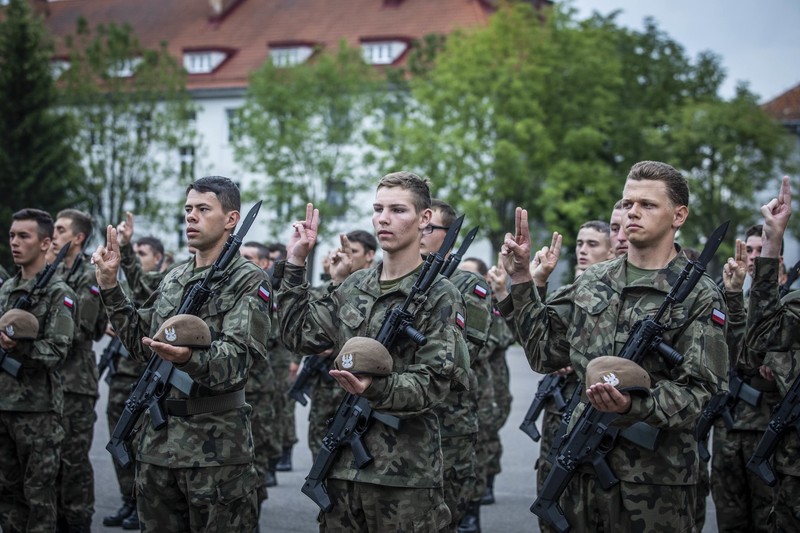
758	40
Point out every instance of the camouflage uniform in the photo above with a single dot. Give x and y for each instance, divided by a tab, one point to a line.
500	338
741	498
204	460
594	317
30	410
79	377
460	414
403	485
3	275
285	433
773	340
259	392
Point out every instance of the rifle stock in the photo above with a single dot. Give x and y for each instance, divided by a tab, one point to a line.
550	387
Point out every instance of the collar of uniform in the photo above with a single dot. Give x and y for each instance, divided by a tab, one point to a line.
187	273
368	281
613	274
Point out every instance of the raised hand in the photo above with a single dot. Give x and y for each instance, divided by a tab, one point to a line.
497	278
304	236
735	269
516	249
776	218
106	260
342	260
546	260
125	229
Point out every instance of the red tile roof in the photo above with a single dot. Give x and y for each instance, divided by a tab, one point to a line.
249	25
786	107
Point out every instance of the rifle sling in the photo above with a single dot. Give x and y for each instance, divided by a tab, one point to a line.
207	404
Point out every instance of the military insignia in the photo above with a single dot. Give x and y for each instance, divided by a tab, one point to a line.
460	322
169	334
347	360
69	302
718	317
263	293
480	291
94	289
10	330
611	379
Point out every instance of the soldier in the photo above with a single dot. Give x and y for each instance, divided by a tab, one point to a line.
464	447
593	317
742	500
141	262
31	404
402	488
78	374
619	241
499	339
773	340
3	275
197	473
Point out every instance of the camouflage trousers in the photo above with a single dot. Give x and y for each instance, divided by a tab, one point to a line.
287	430
502	398
742	500
325	399
460	475
363	507
75	477
785	516
487	425
30	445
265	441
550	425
216	499
703	490
628	507
118	392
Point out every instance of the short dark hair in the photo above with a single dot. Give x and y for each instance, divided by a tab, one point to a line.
153	243
226	190
757	230
482	268
447	211
261	251
597	225
44	221
365	238
81	222
277	247
677	186
410	182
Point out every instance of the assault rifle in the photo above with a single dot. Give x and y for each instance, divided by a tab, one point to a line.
160	375
550	386
300	390
25	302
723	404
785	416
453	260
354	415
593	436
110	358
791	277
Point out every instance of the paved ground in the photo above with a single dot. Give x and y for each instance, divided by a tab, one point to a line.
288	510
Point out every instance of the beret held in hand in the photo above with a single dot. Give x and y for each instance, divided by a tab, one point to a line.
19	325
184	330
624	374
363	355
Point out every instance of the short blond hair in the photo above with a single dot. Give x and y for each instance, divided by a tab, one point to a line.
409	181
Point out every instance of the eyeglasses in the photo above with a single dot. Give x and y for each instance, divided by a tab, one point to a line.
427	230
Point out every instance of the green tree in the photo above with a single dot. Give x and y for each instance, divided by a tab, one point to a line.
136	129
298	129
38	165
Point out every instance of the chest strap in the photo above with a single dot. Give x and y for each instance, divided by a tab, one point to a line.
206	404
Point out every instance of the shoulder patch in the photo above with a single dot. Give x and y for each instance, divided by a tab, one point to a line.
480	290
460	322
68	302
264	293
718	317
94	289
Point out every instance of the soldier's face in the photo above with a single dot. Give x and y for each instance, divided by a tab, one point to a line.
752	246
431	242
206	223
650	217
361	258
148	257
63	234
619	242
26	245
397	223
592	247
250	253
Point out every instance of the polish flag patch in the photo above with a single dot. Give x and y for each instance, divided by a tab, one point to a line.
718	317
69	302
460	320
263	293
94	289
480	291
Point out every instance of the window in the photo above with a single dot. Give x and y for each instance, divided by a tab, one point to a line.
383	52
287	56
187	163
58	67
203	62
125	68
234	123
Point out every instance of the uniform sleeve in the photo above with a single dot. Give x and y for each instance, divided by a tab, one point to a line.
307	325
49	349
772	324
130	323
737	325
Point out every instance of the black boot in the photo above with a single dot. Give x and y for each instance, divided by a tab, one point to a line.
284	464
132	522
116	519
270	479
471	522
488	496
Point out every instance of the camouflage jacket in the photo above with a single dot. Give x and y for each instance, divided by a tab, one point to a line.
594	317
142	284
39	387
238	316
773	340
422	375
458	414
79	371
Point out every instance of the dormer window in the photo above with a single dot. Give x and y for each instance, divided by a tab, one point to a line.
58	67
203	62
288	56
124	68
383	52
